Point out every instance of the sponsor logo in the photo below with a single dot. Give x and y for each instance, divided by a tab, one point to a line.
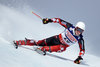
70	36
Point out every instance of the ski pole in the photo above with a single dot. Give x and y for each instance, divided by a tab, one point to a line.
36	15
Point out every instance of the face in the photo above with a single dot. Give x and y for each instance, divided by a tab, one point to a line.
78	31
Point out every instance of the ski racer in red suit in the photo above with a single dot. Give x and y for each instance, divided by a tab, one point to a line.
59	43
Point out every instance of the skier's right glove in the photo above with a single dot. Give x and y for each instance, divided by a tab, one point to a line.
46	20
77	61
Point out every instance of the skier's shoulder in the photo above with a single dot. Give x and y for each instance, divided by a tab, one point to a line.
81	37
71	27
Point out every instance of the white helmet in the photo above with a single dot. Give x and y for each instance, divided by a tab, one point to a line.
80	25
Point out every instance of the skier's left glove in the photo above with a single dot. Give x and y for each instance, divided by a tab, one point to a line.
77	61
46	20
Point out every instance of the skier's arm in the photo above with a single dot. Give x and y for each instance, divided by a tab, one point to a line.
57	20
81	46
82	51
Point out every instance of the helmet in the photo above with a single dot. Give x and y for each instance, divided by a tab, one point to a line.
80	25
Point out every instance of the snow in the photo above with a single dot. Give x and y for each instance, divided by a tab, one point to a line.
16	25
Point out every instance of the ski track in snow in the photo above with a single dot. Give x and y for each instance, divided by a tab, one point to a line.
15	25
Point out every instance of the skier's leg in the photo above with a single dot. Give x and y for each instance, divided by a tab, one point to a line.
45	42
55	48
25	42
41	42
54	40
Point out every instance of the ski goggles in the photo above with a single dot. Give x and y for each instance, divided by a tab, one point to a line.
80	30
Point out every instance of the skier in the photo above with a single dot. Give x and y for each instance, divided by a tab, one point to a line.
59	43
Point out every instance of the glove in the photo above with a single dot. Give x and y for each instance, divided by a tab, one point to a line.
45	21
77	61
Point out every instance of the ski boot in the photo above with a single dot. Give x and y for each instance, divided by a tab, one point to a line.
15	44
28	42
40	51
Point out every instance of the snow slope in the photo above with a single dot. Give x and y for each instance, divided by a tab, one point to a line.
15	25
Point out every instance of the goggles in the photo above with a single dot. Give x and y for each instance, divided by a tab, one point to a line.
80	30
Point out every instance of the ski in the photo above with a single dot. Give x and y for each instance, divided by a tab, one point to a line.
40	51
36	49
